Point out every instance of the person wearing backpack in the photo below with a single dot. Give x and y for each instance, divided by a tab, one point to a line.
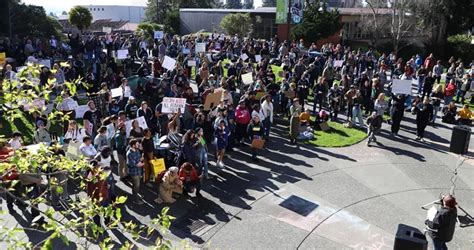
119	144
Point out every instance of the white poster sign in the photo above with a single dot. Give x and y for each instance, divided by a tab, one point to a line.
200	47
122	54
158	34
258	58
116	92
141	123
45	62
80	110
401	86
191	63
338	63
247	78
244	57
107	29
171	105
169	63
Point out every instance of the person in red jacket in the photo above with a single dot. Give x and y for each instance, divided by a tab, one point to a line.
9	175
429	62
190	178
449	92
242	118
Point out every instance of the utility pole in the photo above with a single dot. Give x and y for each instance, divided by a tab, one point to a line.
288	21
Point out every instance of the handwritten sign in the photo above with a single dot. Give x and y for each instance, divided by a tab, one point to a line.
171	105
158	34
169	63
107	29
191	63
258	58
200	47
401	86
212	100
116	92
158	165
247	79
80	110
244	57
122	54
338	63
186	51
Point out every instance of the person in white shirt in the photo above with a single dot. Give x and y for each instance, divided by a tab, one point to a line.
267	110
74	132
87	149
256	110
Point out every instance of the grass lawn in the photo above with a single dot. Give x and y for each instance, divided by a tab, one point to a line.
276	69
338	136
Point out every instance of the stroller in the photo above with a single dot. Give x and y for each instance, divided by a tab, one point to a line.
374	123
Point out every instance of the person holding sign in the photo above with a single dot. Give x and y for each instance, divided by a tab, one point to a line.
255	131
441	227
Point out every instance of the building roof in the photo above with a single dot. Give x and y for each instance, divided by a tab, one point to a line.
342	11
97	25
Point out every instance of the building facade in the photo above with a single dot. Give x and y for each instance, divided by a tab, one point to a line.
132	14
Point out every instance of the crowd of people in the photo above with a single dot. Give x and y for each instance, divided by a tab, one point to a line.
310	87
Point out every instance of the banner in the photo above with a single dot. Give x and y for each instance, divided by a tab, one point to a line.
171	105
281	11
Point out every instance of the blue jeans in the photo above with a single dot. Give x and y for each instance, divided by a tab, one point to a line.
357	113
202	161
421	80
447	100
267	125
436	109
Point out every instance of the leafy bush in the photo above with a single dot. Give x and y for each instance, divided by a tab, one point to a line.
460	46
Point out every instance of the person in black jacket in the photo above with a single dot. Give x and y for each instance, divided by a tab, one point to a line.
398	108
255	131
424	114
441	228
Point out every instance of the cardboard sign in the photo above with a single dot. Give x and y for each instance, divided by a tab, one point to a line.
191	63
171	105
158	165
247	79
289	94
116	92
200	47
158	34
258	143
141	123
80	110
212	100
258	58
244	57
169	63
324	126
122	54
338	63
401	86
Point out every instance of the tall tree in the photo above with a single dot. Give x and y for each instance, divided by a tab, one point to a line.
233	4
248	4
238	23
80	17
30	20
318	22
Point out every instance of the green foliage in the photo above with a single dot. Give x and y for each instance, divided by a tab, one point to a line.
77	218
317	24
147	29
80	17
30	20
238	23
337	136
233	4
460	46
172	22
152	12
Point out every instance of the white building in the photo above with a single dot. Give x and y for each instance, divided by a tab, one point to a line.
132	14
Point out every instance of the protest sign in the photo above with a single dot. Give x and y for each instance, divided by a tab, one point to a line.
116	92
107	29
186	51
401	86
80	110
338	63
158	34
141	123
259	95
171	105
158	165
45	62
212	100
244	57
73	151
122	54
191	63
209	57
39	104
200	47
258	58
290	94
3	58
247	78
169	63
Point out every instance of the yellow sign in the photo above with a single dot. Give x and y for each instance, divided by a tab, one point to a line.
158	165
3	58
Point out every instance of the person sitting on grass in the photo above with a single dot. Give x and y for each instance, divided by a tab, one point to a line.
465	115
190	179
305	118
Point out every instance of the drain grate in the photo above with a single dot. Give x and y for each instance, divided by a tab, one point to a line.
299	205
190	225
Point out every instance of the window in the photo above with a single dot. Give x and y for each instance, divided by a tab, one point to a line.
102	9
94	9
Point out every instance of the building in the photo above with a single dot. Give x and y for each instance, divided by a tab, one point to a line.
132	14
